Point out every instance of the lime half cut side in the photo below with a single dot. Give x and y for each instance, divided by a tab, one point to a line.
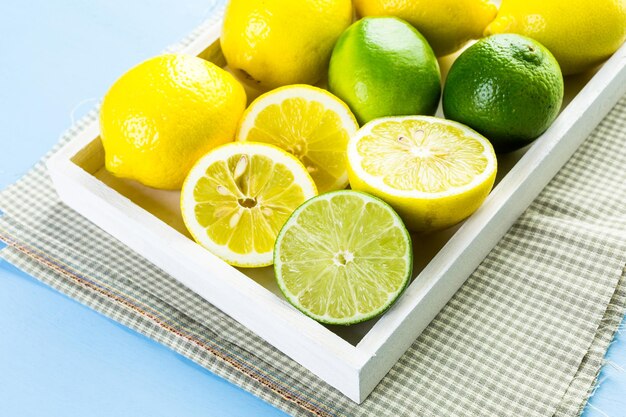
343	257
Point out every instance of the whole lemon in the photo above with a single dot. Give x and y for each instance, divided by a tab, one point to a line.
161	116
446	24
382	66
272	43
580	33
507	87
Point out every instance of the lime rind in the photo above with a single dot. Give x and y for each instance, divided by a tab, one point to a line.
326	237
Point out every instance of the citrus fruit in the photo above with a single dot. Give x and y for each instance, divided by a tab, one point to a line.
238	196
165	113
309	123
343	257
580	33
446	24
273	43
507	87
433	172
382	66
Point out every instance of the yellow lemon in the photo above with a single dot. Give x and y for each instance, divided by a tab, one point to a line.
579	33
273	43
308	122
165	113
237	198
446	24
433	172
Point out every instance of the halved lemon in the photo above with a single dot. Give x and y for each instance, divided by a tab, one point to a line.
343	257
307	122
433	172
237	197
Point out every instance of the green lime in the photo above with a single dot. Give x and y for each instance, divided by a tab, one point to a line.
507	87
343	257
382	66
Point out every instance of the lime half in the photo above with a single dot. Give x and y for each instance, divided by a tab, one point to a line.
343	257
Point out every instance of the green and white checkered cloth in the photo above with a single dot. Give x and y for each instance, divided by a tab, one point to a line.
525	336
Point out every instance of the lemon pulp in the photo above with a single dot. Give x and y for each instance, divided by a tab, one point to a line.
237	198
434	172
308	122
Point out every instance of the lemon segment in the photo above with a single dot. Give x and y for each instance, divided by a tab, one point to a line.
238	196
434	172
343	257
308	122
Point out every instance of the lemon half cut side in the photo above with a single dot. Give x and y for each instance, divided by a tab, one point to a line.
308	122
238	196
433	172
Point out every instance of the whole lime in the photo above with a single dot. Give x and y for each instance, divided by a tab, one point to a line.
382	66
507	87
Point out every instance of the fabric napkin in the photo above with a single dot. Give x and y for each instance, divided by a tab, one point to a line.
525	335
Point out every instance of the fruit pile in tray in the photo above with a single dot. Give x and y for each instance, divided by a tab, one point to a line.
266	183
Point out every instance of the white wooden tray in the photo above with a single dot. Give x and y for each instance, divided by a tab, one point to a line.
353	359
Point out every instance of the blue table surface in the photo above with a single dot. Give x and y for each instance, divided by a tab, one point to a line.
57	357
